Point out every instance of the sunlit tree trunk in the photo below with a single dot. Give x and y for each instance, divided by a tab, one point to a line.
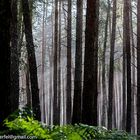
103	67
42	86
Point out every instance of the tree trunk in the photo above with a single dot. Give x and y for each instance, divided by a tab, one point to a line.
77	110
42	87
90	93
28	86
138	67
111	70
59	62
55	74
124	77
14	69
133	112
68	87
128	61
31	59
103	67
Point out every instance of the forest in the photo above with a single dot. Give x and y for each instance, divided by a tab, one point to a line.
70	69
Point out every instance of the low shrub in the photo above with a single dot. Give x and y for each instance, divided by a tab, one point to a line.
22	123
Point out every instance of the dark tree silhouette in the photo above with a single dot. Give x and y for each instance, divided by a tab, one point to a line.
5	16
90	93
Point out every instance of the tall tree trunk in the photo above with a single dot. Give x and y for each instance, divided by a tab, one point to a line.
104	115
77	110
133	112
68	87
31	59
138	67
128	61
59	62
55	74
90	93
5	15
124	77
42	87
111	70
14	69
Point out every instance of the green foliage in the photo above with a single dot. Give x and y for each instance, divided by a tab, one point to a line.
22	123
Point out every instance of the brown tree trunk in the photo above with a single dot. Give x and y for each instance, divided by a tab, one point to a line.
31	59
90	93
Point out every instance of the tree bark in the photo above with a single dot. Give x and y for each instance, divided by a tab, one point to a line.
77	110
104	115
111	70
90	93
14	70
31	59
138	67
68	87
59	62
128	62
55	72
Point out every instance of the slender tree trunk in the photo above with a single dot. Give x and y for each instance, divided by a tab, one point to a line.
111	70
55	72
124	78
68	87
59	62
103	67
31	59
133	113
138	67
128	61
89	108
42	87
77	110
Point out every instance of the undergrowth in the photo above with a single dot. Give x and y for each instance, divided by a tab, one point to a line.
22	123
